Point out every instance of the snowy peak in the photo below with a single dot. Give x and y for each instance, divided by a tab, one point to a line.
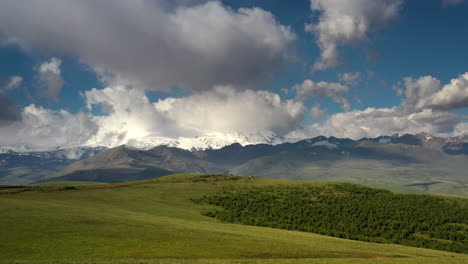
221	140
215	141
325	143
59	154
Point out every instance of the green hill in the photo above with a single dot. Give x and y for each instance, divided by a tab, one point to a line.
350	211
394	176
156	221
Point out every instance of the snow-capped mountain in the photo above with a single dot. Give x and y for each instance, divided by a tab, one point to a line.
256	154
214	141
24	167
220	140
59	153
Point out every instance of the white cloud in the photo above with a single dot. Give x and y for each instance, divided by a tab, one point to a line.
225	115
42	129
226	110
418	91
13	83
342	22
317	113
424	108
427	92
321	90
129	115
374	122
452	96
351	78
154	44
461	129
50	79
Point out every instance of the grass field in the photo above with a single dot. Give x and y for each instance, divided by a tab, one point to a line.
155	222
376	174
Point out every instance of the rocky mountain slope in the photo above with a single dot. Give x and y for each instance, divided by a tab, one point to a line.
26	167
415	163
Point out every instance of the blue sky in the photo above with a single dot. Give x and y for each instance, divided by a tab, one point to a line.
397	39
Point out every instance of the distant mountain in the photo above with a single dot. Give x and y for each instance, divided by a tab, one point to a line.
215	141
426	140
27	167
415	163
410	163
136	164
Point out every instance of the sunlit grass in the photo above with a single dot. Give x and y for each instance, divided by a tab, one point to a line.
155	221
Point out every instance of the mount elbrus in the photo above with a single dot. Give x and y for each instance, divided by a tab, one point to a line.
415	163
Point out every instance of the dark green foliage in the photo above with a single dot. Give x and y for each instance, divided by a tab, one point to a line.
350	211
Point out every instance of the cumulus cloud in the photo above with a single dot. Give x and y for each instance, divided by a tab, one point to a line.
321	90
154	44
14	82
50	79
418	91
128	115
351	78
342	22
43	129
226	110
452	96
125	115
461	129
131	118
317	113
424	107
220	112
374	122
427	92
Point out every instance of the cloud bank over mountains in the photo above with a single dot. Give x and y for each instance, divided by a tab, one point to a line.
218	55
227	115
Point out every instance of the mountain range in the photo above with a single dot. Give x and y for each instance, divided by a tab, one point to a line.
418	163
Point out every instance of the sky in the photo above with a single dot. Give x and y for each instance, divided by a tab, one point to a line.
197	73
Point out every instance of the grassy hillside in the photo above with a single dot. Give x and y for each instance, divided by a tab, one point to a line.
66	184
112	175
155	221
350	211
415	178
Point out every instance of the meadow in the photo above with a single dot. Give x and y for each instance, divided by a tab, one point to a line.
156	221
350	211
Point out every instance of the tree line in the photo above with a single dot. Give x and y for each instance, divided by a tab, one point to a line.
349	211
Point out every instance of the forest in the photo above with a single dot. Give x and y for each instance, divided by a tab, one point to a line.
348	211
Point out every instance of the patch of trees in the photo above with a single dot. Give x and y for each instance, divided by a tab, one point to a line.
349	211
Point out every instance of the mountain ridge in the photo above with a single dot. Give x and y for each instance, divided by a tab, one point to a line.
397	162
223	140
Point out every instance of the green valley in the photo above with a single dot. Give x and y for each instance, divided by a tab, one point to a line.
156	221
